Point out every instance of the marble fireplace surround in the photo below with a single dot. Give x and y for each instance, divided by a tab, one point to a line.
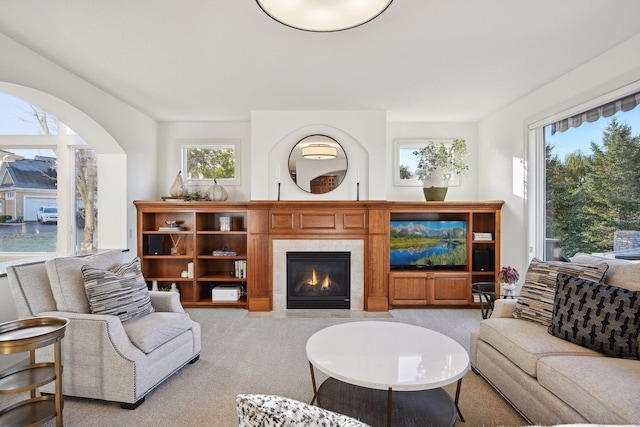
280	247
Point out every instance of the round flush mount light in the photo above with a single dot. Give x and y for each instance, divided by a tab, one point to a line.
319	152
323	15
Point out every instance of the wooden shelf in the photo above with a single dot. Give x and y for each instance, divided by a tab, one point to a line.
255	225
201	237
449	288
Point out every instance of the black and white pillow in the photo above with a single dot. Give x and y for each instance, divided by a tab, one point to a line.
260	410
122	292
597	316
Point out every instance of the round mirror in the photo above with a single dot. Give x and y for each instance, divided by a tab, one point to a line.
317	164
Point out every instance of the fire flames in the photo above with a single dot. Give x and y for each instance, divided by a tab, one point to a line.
313	281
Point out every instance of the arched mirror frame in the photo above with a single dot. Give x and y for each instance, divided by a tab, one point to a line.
317	176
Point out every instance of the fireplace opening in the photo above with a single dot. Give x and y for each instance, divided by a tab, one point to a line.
318	279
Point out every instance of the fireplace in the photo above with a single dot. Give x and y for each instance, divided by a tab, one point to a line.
318	280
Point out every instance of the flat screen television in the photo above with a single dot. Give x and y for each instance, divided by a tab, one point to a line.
419	244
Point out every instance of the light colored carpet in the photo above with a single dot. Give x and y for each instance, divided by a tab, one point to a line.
265	353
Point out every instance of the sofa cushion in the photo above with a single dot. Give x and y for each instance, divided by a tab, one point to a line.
597	316
603	389
121	293
535	302
525	343
67	284
259	410
30	288
151	331
621	273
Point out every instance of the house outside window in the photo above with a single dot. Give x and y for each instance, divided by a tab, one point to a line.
30	142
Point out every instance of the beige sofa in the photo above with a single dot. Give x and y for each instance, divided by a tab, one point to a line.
105	357
553	381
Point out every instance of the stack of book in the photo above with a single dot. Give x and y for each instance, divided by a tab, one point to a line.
220	252
482	236
241	268
190	270
171	228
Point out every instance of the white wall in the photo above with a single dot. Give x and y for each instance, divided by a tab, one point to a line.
171	136
361	134
503	136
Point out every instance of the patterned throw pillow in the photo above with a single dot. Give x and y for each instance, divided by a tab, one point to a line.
535	302
597	316
122	292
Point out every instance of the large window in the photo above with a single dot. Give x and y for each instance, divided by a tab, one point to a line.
32	142
592	180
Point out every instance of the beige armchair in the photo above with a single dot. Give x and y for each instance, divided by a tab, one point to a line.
104	357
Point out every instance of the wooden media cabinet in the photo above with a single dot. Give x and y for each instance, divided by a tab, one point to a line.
256	224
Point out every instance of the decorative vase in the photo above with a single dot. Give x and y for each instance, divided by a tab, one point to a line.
435	194
508	289
217	192
178	188
435	185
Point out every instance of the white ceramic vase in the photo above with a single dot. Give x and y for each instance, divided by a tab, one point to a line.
217	192
435	185
178	188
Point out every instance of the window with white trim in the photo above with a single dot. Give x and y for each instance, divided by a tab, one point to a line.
31	170
584	180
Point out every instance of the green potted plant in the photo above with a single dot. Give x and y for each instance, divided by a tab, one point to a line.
437	163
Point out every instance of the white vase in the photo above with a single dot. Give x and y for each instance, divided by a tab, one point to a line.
435	185
217	192
437	178
178	188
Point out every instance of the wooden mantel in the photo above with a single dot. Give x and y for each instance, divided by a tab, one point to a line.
317	220
367	220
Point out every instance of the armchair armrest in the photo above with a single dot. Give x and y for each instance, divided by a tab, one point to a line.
504	307
95	335
166	301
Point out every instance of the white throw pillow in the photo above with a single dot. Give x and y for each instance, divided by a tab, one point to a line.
67	284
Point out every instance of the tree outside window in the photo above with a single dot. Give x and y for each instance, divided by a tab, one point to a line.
593	186
209	160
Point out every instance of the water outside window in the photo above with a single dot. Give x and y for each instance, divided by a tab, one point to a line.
593	186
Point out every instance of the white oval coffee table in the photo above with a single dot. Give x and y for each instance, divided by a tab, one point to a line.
379	366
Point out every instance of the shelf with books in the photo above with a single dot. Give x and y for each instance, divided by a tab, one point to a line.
205	240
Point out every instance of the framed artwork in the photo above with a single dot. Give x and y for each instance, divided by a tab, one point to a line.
405	163
206	160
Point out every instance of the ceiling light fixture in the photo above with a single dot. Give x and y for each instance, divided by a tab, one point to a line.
323	15
319	152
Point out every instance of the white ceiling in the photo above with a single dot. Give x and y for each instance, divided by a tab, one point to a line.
427	60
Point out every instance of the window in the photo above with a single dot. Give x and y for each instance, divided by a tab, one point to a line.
31	141
204	161
590	181
405	165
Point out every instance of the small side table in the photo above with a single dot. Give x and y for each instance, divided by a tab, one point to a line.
19	336
487	292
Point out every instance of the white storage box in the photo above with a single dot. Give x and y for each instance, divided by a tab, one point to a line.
226	293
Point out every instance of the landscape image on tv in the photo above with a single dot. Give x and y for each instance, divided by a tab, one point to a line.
428	243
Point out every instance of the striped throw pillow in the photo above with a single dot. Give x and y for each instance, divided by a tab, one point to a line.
535	302
122	292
